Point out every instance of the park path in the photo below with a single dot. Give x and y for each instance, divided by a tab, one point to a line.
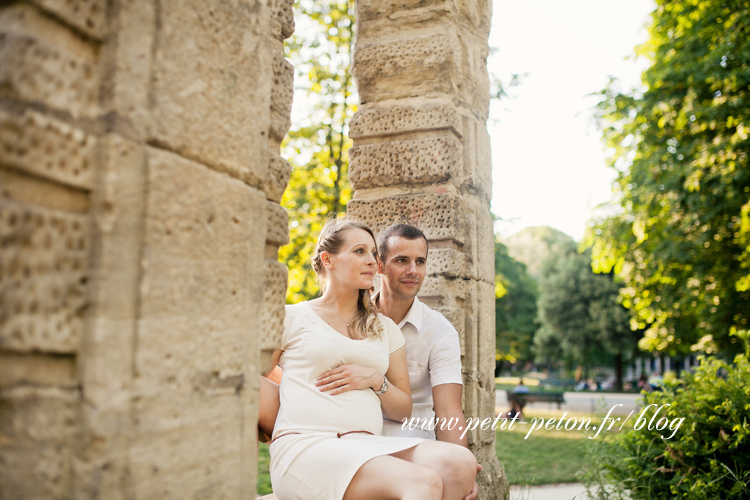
568	491
583	402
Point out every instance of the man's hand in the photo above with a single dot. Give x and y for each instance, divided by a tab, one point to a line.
352	377
475	490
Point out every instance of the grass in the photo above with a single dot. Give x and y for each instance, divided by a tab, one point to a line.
546	457
264	479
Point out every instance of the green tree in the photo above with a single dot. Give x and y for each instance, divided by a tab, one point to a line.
317	145
515	308
681	235
582	321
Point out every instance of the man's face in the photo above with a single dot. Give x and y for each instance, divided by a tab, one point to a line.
405	266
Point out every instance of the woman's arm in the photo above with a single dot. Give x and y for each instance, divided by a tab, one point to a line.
396	402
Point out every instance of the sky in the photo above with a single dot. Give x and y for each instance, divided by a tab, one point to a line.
548	164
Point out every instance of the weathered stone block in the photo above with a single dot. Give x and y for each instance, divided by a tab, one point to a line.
43	61
410	67
279	171
486	329
38	429
438	215
86	15
446	292
127	61
201	294
47	147
282	93
37	370
283	18
477	173
277	226
189	444
212	76
43	274
373	10
200	290
274	298
448	262
385	118
419	161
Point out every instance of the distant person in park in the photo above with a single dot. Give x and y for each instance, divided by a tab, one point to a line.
520	388
344	366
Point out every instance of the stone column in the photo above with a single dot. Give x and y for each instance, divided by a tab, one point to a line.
421	155
139	218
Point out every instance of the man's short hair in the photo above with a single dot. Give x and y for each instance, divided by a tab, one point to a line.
398	230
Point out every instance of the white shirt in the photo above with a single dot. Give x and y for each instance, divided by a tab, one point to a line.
433	357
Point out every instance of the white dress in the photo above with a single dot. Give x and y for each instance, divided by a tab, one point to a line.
308	459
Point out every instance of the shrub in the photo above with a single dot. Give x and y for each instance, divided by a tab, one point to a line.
707	458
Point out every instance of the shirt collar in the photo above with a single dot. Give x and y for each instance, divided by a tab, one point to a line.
414	316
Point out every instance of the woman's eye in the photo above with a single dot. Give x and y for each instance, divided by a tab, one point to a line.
359	250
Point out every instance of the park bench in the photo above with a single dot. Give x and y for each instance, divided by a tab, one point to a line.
523	399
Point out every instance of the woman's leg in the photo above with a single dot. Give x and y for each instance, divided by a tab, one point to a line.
390	478
455	465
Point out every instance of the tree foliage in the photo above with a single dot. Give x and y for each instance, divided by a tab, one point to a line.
317	145
515	308
582	321
681	236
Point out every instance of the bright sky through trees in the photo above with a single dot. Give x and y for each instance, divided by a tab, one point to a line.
548	166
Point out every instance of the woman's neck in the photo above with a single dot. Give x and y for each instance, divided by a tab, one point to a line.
343	302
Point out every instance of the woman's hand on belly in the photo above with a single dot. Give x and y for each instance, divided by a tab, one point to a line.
350	377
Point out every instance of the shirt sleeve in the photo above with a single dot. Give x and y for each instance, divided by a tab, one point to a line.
395	337
445	360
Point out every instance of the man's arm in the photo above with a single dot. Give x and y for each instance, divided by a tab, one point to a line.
446	399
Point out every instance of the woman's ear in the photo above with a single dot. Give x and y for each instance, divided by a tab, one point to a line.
325	259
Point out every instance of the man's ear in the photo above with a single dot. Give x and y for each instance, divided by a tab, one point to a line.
380	266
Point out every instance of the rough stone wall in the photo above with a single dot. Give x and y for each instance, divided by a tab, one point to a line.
140	181
421	155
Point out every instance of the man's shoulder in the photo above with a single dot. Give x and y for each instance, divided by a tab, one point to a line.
436	322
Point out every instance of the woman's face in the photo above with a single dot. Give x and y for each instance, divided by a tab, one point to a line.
355	264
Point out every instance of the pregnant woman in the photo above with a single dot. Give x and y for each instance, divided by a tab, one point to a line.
343	366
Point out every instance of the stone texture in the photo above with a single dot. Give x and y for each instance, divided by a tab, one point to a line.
448	262
406	67
47	147
43	274
419	161
38	427
389	117
283	18
438	215
282	93
127	67
44	62
37	370
212	87
87	16
279	171
272	321
277	226
200	291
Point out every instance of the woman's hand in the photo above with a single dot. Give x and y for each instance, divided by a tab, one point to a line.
352	377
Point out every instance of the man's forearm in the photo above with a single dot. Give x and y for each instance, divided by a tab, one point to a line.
446	431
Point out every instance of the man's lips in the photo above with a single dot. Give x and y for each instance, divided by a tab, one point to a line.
409	282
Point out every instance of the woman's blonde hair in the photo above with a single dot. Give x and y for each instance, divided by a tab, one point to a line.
365	323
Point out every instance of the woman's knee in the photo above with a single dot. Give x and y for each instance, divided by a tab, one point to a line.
427	484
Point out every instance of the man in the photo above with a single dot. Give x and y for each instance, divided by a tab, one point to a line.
433	353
